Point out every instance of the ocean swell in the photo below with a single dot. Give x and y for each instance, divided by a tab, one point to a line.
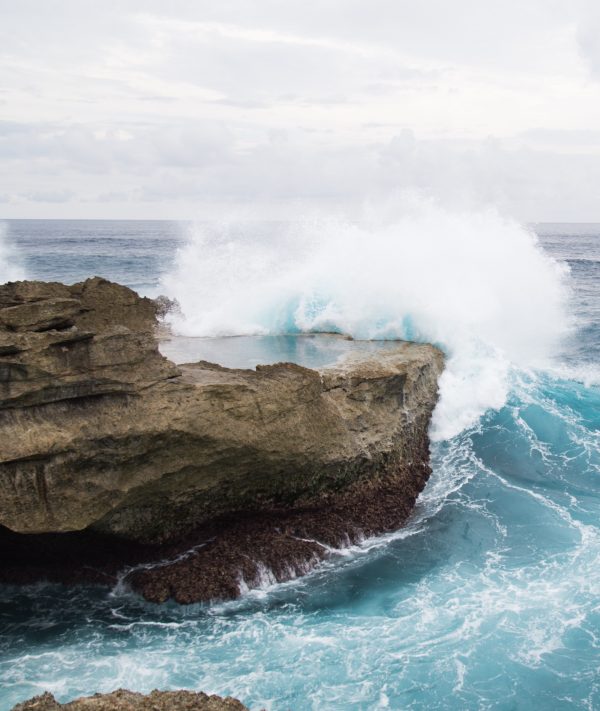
477	284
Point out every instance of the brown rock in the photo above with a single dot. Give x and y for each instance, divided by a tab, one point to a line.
40	315
98	341
99	432
122	700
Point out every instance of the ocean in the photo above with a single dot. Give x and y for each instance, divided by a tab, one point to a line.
490	597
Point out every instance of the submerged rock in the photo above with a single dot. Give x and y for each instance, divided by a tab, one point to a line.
229	477
123	700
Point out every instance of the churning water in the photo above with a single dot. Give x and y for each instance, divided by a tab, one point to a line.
490	598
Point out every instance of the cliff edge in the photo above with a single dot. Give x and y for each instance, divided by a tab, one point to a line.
197	477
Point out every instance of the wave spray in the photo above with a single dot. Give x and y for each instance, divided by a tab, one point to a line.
10	269
474	283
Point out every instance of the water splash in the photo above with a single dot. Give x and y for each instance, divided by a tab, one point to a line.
476	284
10	261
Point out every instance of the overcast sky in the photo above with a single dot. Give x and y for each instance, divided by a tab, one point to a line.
188	109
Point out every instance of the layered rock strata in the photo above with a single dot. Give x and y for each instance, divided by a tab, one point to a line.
199	478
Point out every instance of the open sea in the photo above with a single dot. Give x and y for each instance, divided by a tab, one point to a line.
490	597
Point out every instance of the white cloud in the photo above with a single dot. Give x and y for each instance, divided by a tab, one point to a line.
588	35
147	108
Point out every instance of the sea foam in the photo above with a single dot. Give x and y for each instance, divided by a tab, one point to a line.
10	263
475	283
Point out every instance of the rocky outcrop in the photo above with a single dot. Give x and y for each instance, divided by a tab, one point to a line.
219	473
122	700
60	343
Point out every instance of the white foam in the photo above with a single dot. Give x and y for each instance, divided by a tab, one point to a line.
476	283
10	263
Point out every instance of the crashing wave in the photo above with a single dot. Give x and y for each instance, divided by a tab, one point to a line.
477	284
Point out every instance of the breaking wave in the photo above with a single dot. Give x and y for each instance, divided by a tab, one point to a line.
476	284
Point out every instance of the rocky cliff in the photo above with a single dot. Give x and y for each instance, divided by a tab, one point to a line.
218	474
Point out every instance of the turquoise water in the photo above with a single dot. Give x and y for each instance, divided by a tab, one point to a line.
489	599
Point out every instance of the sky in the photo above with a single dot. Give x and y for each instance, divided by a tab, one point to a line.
273	108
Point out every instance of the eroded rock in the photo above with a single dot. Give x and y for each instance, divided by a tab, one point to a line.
249	468
97	341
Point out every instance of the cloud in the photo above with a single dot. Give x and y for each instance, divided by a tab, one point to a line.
146	106
588	36
50	195
103	150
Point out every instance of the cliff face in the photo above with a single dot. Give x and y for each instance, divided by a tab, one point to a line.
99	432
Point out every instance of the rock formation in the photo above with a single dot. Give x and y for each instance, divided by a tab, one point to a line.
122	700
220	474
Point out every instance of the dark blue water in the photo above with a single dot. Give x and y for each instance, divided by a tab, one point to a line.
578	246
489	599
132	252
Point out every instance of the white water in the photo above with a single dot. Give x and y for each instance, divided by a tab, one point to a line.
476	284
10	263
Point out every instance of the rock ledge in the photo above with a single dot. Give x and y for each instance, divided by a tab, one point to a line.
192	482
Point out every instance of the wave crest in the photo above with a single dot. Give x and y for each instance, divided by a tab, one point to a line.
477	284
